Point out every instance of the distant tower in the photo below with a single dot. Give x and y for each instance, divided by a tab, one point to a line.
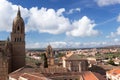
50	55
18	42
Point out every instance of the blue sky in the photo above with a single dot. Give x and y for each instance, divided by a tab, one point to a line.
63	23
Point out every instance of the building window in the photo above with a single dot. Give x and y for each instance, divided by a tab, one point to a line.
15	39
20	39
18	28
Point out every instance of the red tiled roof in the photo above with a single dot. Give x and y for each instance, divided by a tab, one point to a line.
75	57
114	71
89	76
99	76
32	74
32	77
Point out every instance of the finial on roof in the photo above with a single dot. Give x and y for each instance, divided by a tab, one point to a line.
18	13
8	39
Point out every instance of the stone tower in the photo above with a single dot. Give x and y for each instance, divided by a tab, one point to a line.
50	55
3	65
18	42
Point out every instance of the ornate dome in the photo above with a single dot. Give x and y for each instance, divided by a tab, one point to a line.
18	19
49	47
49	51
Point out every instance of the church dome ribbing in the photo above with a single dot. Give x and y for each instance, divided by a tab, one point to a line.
49	47
18	19
18	23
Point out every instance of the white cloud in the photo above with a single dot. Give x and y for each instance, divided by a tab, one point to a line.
73	10
36	45
116	40
42	20
7	14
114	34
118	31
118	18
95	44
62	44
107	2
58	44
45	20
60	11
55	44
83	27
48	20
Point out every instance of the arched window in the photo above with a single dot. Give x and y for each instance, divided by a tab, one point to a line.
18	28
15	39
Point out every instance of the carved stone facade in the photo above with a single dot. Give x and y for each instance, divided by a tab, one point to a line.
50	55
4	60
12	51
74	63
18	42
3	67
77	65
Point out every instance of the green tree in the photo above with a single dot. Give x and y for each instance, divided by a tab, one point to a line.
111	62
37	64
60	55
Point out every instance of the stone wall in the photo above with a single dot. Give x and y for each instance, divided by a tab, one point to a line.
3	68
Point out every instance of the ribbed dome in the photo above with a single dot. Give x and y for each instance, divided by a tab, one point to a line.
49	47
18	19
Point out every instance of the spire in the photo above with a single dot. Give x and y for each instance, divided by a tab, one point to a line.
18	13
8	39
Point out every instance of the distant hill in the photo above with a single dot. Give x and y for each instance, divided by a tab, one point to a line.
66	49
111	46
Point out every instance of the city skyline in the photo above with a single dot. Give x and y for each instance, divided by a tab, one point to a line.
64	24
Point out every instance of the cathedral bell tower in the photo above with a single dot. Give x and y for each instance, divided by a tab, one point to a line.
18	42
50	55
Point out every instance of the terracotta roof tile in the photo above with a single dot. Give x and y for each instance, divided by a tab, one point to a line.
114	71
32	74
89	76
32	77
74	57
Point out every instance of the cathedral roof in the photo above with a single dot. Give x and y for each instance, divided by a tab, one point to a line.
36	75
49	47
74	57
3	55
4	47
18	19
